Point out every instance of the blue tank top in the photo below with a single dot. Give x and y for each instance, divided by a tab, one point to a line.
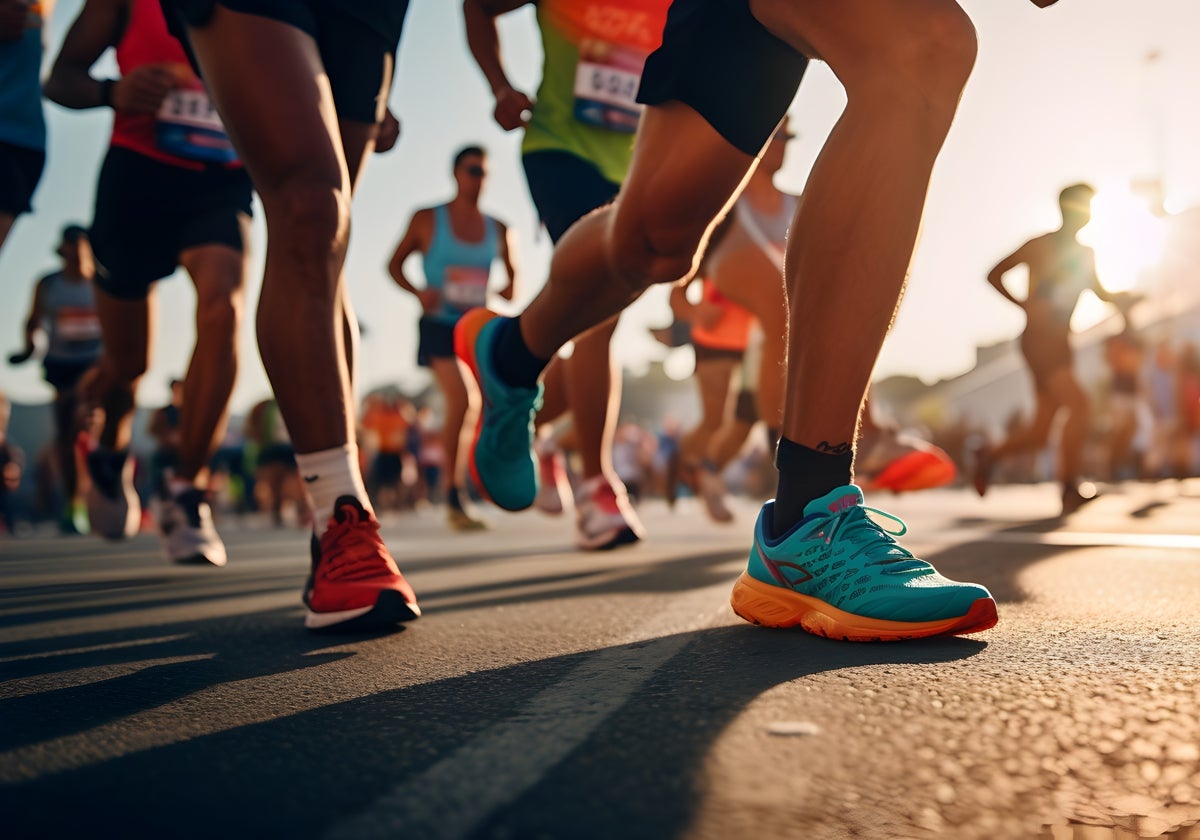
22	122
458	269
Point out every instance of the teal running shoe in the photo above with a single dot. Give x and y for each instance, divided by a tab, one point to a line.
839	574
502	460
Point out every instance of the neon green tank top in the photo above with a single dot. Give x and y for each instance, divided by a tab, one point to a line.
594	52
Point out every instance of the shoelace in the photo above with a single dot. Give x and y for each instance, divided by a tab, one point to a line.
337	545
877	543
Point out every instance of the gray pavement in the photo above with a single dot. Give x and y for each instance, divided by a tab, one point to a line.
552	694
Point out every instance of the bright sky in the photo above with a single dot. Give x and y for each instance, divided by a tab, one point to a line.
1057	96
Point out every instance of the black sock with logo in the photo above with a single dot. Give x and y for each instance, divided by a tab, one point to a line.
806	474
515	363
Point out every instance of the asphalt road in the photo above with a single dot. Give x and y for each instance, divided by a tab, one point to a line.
552	694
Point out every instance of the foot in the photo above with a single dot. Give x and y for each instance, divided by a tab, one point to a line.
839	574
188	533
902	463
712	492
604	518
553	485
114	511
461	520
984	465
355	584
502	462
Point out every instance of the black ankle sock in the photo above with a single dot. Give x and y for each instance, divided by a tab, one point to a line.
515	363
806	474
452	498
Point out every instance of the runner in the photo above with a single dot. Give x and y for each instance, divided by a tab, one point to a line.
64	308
22	122
1060	270
818	561
576	151
458	245
171	193
302	88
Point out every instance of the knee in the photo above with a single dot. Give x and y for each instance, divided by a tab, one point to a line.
218	313
308	221
924	67
654	250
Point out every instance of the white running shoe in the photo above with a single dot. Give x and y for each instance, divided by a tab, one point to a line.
188	533
712	491
114	510
604	518
554	488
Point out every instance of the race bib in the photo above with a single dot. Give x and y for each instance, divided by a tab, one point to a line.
466	287
189	127
77	324
606	86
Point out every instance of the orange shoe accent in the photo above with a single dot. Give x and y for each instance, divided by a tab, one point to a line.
773	606
917	470
466	333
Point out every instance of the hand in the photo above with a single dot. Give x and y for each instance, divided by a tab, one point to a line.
143	90
512	108
13	17
389	133
22	357
430	299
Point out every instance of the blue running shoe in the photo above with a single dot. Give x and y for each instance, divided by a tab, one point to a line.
839	574
502	461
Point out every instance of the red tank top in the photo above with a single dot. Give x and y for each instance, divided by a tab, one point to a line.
186	131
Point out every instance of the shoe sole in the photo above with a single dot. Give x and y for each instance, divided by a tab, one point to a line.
389	609
772	606
199	560
609	540
466	333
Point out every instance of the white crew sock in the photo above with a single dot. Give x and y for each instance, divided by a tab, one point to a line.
328	475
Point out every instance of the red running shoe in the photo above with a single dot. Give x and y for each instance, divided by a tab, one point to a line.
355	584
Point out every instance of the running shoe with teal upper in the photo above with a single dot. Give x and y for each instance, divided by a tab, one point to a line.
839	574
502	461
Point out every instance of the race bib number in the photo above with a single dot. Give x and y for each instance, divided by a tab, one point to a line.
189	127
606	86
466	287
77	324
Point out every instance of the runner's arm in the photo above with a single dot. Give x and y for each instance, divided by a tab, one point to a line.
484	41
996	275
33	324
416	239
510	263
100	25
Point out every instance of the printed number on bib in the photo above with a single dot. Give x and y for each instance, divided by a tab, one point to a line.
606	86
466	287
189	127
77	324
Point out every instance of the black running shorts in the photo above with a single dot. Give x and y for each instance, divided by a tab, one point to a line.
436	341
20	171
356	39
148	213
717	58
565	188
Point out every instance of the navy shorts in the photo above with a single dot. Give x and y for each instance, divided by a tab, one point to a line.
436	341
717	58
20	171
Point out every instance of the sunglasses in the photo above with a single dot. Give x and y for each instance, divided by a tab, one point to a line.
476	171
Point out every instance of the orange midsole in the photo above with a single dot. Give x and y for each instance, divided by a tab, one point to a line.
805	603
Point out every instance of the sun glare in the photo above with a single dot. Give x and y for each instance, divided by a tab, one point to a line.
1127	238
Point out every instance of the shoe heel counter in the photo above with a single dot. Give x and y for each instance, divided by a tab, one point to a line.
756	567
